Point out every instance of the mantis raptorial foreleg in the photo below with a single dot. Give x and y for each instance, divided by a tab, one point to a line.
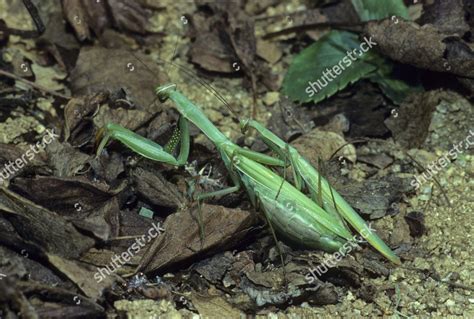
146	147
156	152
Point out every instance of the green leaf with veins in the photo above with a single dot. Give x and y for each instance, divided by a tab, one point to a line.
329	51
379	9
308	66
392	86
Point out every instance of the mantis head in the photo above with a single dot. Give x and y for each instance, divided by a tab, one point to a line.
163	90
244	125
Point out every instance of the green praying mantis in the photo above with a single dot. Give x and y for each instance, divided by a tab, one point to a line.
317	220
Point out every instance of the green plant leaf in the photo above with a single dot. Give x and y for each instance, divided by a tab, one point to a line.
393	87
331	50
379	9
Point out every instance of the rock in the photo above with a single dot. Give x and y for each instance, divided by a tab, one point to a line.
271	98
148	309
268	51
320	144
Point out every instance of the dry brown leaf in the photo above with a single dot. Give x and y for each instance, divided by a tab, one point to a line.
156	189
98	69
131	119
78	108
424	47
128	15
43	227
410	127
181	240
208	307
81	276
86	15
269	51
447	16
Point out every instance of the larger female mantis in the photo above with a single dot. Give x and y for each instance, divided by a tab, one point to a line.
317	221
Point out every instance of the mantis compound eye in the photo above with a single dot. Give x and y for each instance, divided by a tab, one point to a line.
244	125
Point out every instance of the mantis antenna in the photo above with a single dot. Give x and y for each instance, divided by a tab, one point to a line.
189	73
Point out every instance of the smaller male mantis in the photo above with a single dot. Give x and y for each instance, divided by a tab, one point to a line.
318	221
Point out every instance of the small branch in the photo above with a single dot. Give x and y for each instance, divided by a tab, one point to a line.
35	16
34	85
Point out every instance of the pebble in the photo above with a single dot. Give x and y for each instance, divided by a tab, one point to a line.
271	98
450	303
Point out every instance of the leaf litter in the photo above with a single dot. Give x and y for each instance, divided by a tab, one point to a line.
67	213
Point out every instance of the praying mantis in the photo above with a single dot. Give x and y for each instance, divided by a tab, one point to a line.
317	220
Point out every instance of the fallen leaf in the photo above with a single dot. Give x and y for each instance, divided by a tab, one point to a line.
85	15
66	195
321	144
181	240
447	16
155	189
416	222
131	119
77	109
43	227
81	276
65	160
410	126
269	51
424	47
208	307
375	196
98	69
128	15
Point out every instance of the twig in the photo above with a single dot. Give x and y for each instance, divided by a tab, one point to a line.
27	34
34	85
35	16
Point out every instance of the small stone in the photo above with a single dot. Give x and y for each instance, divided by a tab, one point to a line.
269	51
271	98
442	108
450	303
338	124
454	107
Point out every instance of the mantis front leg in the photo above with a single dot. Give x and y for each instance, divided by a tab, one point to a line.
146	147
